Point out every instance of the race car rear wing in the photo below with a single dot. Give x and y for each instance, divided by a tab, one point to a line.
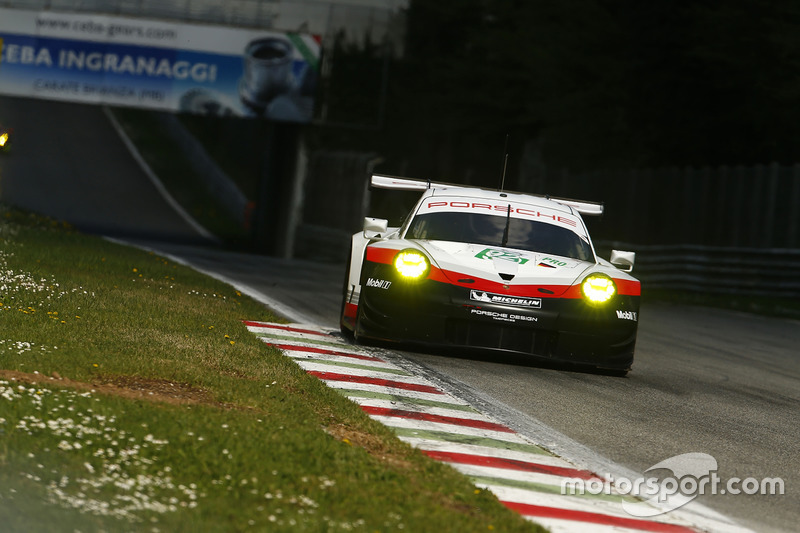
380	181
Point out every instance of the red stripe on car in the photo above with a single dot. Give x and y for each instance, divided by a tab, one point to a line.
386	256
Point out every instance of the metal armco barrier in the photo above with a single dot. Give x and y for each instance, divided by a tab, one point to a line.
716	270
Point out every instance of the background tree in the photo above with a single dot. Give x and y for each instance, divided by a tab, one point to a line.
583	85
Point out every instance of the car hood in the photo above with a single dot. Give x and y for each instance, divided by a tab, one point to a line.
503	265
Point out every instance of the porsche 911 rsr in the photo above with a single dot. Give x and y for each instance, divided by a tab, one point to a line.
491	270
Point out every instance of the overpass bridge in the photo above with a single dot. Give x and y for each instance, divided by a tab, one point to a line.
194	56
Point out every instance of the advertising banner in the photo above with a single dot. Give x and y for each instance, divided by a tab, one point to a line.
190	68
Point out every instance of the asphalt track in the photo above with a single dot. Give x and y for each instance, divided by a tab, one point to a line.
726	384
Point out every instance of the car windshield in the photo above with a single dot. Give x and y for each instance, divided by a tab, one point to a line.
472	228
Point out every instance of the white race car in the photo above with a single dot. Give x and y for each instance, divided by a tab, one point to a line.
492	270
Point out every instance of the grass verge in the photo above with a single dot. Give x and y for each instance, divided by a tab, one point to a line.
132	398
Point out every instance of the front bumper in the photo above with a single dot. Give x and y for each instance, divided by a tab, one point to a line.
437	313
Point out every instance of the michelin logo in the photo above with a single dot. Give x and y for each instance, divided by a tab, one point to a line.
516	301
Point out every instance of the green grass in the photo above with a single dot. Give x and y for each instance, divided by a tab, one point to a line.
132	398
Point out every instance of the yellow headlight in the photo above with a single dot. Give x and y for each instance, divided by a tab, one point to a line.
3	139
411	264
598	288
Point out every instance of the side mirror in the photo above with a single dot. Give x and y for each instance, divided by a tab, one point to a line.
374	227
623	260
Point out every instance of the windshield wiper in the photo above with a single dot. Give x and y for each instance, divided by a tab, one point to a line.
508	222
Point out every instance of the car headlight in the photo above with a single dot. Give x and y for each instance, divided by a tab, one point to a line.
3	139
598	288
411	264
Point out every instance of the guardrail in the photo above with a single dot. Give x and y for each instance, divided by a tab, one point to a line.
715	270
